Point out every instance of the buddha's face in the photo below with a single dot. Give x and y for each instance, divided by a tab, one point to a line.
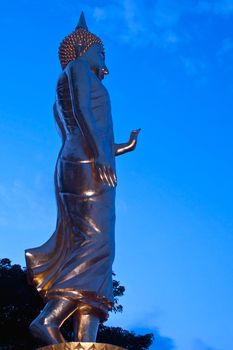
96	58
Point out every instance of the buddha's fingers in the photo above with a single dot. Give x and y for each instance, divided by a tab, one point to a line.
110	175
106	177
137	131
101	175
114	178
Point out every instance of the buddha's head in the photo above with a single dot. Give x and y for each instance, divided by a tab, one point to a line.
82	43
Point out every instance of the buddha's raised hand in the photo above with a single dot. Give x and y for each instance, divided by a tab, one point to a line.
129	146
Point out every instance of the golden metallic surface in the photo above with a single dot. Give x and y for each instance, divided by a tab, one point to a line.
76	262
128	146
73	270
81	346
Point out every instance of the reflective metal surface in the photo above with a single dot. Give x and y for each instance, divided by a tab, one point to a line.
81	346
73	269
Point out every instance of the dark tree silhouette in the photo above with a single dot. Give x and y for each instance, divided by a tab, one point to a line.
20	304
123	338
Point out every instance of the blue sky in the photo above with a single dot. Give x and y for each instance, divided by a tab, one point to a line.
171	74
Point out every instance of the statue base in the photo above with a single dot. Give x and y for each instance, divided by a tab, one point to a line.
81	346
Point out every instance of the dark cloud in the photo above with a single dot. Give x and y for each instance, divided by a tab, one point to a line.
198	344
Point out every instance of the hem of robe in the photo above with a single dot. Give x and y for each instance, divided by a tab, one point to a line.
99	304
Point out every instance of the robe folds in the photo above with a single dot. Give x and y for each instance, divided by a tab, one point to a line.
76	262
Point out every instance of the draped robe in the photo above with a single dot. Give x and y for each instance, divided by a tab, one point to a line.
76	262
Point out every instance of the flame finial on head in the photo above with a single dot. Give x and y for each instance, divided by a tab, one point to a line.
82	22
81	37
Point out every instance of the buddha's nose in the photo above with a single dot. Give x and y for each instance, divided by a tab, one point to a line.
105	70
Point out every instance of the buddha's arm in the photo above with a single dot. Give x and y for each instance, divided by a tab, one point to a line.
80	93
80	90
129	146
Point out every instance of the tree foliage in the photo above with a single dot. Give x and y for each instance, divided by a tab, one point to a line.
123	338
20	304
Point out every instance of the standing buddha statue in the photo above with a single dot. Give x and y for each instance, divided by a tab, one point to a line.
73	270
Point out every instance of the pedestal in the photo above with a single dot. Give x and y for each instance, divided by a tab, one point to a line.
81	346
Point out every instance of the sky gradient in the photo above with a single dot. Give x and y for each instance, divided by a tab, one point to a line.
171	74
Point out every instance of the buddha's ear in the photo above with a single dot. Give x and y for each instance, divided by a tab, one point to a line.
78	49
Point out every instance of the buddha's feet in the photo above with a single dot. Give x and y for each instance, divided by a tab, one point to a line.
46	333
46	327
